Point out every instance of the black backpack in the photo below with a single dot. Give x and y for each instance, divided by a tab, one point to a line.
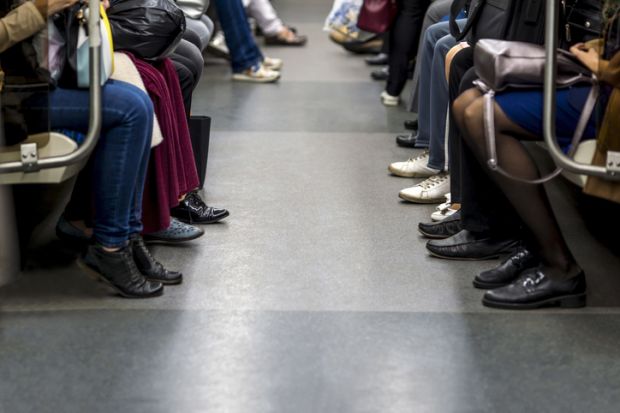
517	20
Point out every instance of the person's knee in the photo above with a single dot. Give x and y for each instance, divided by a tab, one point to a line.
472	122
460	106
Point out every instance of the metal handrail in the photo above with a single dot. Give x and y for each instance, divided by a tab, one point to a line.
561	160
94	123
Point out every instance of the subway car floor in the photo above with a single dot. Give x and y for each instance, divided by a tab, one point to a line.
316	295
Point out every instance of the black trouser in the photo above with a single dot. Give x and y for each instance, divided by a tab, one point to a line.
188	62
484	208
404	39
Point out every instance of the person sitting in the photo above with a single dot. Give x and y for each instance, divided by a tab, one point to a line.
275	31
117	167
555	278
247	62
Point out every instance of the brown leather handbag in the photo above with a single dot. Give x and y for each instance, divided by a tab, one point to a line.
376	16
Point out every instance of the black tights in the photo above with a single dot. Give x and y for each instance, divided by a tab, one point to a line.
530	201
404	39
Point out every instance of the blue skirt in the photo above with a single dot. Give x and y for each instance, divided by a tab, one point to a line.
525	108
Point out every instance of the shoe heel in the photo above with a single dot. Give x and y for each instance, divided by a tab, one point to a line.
576	301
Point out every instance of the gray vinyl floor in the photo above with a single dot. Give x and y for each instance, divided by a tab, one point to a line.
317	294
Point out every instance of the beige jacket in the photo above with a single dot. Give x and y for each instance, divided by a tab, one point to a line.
20	24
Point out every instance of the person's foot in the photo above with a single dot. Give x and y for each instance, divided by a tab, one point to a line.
286	37
273	63
407	141
118	270
193	210
443	229
380	59
445	210
217	46
380	74
505	273
535	289
371	45
411	125
177	232
471	246
257	74
148	266
71	235
430	191
415	167
389	100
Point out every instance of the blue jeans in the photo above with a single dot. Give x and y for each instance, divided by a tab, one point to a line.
244	53
433	92
120	160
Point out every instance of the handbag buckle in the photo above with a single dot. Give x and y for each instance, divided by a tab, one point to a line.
613	163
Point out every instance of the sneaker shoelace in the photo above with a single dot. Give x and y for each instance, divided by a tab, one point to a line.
433	181
419	157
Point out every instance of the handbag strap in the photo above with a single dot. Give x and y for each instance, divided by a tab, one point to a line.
489	132
473	15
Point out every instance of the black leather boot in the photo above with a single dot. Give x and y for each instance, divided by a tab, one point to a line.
119	271
149	266
507	271
535	289
411	125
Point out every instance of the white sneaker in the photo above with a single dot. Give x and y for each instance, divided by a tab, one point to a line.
257	74
414	167
389	100
273	63
443	213
431	191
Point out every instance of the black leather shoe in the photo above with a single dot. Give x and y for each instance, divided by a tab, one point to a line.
407	141
505	273
380	74
534	289
471	246
149	266
380	59
411	125
442	229
118	270
193	210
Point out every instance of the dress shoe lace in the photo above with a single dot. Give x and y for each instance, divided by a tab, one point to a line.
140	248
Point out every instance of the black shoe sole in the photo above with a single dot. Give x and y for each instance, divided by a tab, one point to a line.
485	258
405	145
565	301
165	282
194	222
97	276
167	241
481	285
433	236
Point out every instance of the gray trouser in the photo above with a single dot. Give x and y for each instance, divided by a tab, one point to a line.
201	31
437	10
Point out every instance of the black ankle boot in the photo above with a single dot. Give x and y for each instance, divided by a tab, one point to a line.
119	270
149	266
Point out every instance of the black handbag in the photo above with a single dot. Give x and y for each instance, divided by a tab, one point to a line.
150	29
583	20
24	77
517	20
200	132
